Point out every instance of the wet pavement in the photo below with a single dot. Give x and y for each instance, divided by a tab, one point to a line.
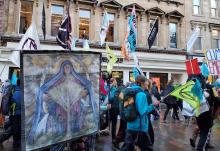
170	136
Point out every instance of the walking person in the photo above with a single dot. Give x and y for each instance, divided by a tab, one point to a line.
137	130
114	111
14	124
152	113
170	101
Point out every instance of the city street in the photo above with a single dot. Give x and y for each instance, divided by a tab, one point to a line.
170	136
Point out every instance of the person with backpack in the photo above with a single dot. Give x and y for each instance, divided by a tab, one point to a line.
136	110
5	101
114	111
14	109
15	116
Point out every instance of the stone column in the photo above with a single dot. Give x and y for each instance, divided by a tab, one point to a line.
144	32
73	23
76	21
13	6
164	35
117	29
48	17
92	25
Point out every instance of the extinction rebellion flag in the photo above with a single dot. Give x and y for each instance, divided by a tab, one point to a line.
153	34
64	33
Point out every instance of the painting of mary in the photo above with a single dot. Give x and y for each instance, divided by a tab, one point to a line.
63	103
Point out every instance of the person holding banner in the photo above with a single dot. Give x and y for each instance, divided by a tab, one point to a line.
204	119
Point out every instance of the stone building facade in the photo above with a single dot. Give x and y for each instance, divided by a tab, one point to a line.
166	59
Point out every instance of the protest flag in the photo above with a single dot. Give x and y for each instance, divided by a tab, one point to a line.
104	27
64	33
184	93
153	33
29	41
129	44
193	38
136	63
43	26
112	59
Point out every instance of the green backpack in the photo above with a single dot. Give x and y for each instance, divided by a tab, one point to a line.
129	111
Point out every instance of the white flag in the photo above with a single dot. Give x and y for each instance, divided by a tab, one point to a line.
29	41
104	27
193	38
136	63
86	45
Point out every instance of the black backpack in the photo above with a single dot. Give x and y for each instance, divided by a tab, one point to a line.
7	100
129	111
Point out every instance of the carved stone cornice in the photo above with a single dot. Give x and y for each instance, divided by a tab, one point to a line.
155	11
213	26
174	15
199	23
48	3
92	3
169	2
37	1
138	9
111	4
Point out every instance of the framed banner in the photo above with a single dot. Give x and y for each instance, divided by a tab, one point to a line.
60	96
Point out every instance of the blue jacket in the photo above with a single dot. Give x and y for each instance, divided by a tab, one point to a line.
112	94
16	97
143	108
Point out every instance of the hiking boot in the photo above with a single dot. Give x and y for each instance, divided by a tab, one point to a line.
192	142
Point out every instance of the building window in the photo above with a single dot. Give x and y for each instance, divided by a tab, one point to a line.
25	16
118	75
173	35
84	23
151	26
196	7
57	12
110	34
215	39
213	8
198	43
